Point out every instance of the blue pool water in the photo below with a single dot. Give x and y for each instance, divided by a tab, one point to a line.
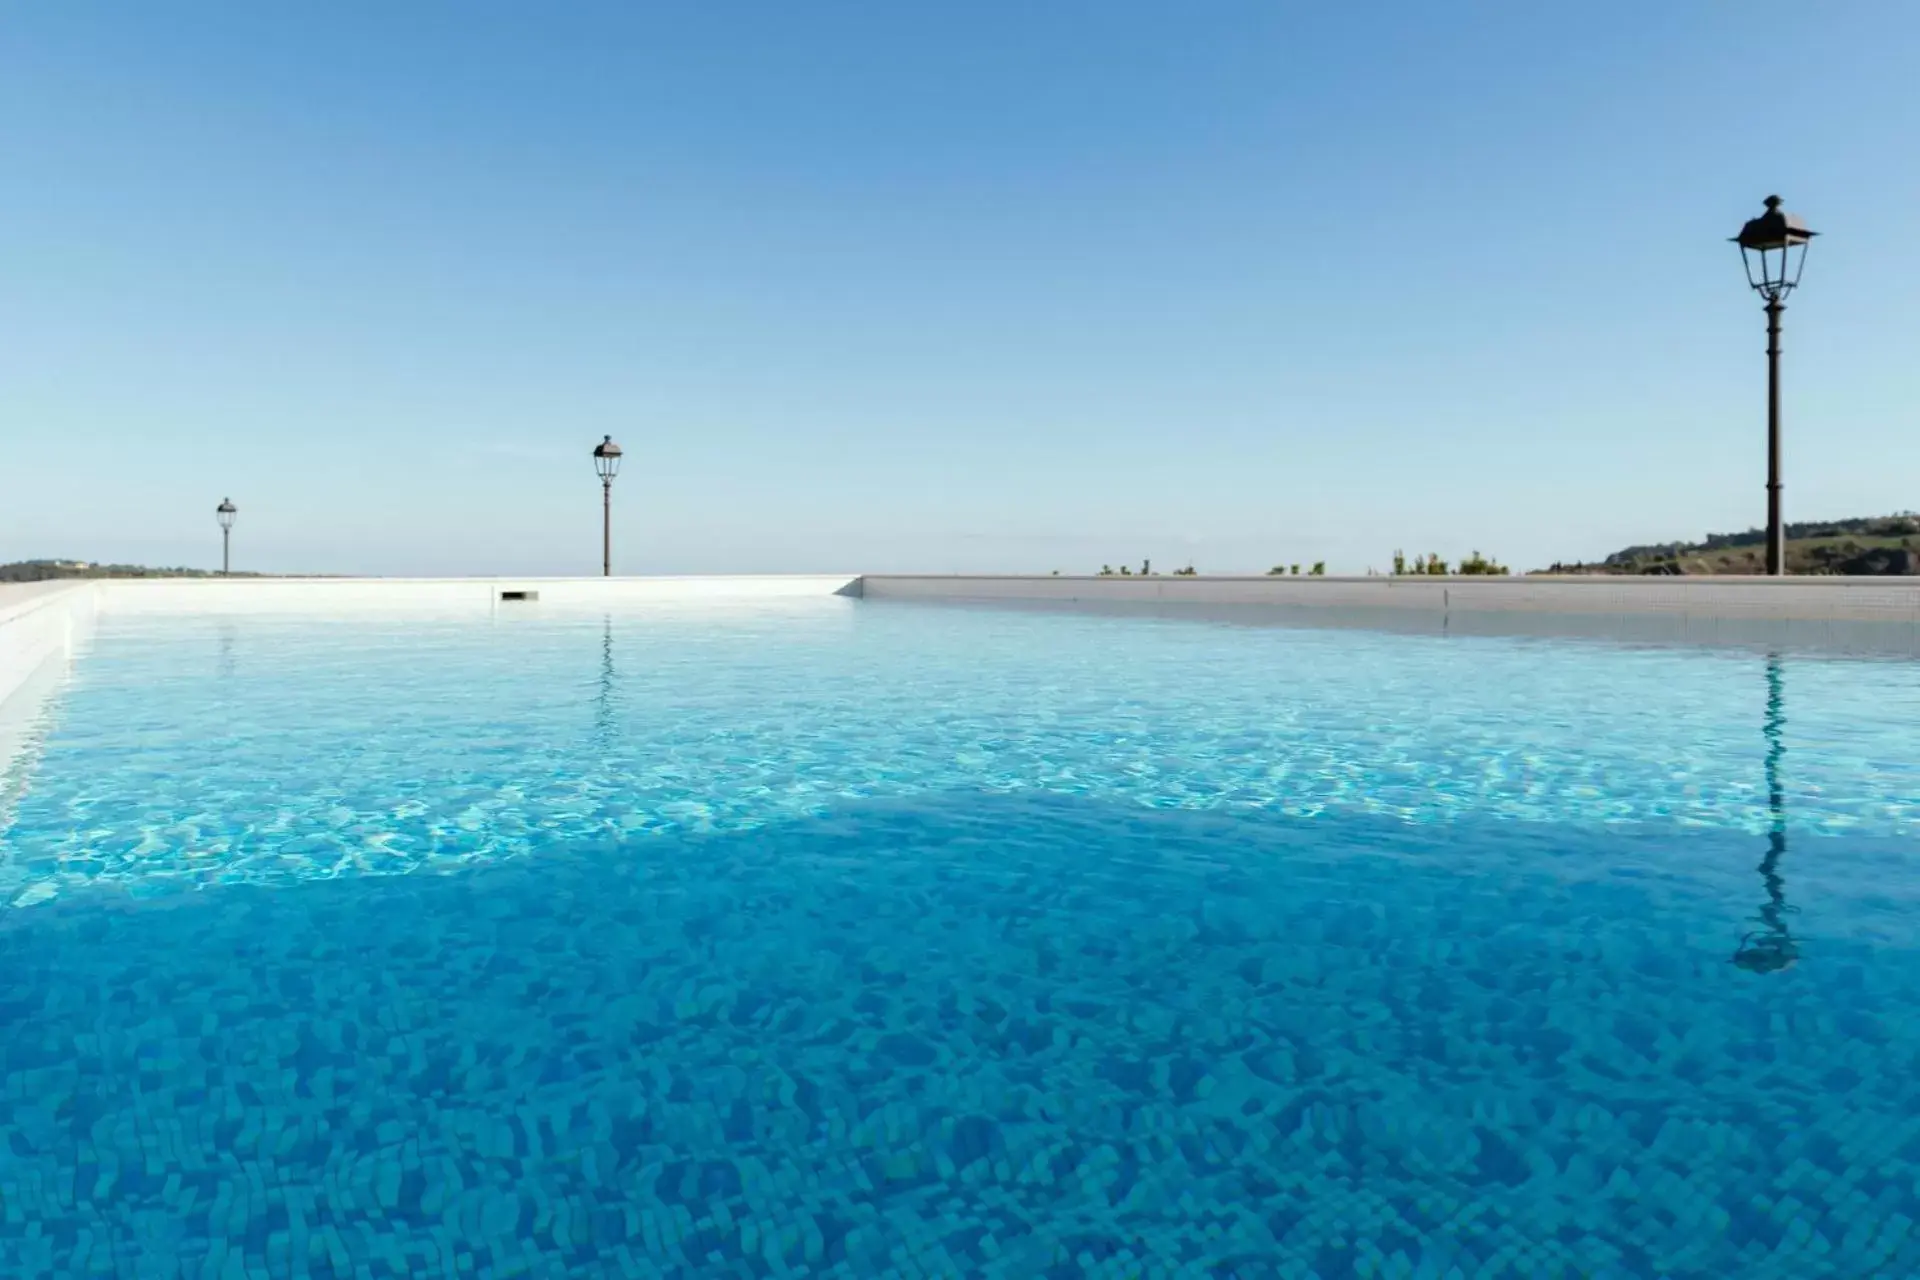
856	939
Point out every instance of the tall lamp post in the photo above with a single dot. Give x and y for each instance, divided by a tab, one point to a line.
1773	247
606	461
225	513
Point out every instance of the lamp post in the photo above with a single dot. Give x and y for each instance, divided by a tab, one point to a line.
225	513
606	462
1773	247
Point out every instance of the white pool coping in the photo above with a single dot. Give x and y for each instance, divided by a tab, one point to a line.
227	595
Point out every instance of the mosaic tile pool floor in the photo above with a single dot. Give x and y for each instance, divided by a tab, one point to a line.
846	939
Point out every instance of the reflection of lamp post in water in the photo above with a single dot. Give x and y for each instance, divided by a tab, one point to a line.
1771	948
603	701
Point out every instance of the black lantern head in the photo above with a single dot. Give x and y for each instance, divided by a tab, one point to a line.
1773	247
606	458
225	513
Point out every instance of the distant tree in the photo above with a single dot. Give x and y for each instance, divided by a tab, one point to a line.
1419	566
1125	572
1319	569
1106	571
49	570
1146	567
1187	572
1435	566
1296	570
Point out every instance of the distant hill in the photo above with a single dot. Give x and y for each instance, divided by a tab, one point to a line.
45	570
1869	545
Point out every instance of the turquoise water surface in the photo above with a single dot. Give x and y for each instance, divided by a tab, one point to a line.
857	939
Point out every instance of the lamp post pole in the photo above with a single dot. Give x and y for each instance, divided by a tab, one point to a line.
606	462
225	513
1773	248
1776	526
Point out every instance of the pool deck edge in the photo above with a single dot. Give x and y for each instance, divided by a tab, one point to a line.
1799	599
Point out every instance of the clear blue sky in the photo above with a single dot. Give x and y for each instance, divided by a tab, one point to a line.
975	286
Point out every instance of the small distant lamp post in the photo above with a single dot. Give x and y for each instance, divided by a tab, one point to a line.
1773	247
225	513
606	461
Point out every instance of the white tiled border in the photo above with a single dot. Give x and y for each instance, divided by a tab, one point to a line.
40	622
42	626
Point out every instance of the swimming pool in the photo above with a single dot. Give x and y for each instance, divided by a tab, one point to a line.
837	938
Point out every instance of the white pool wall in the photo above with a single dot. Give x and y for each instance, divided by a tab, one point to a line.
304	595
43	627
